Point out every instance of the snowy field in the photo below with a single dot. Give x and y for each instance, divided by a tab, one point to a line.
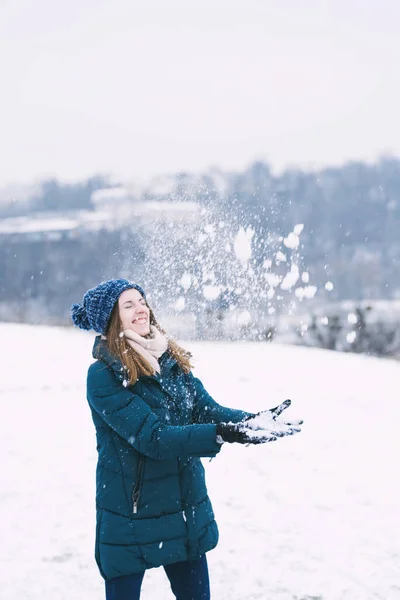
316	516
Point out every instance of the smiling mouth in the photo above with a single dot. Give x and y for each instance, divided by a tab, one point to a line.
140	321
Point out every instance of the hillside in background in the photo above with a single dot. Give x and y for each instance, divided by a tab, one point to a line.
205	243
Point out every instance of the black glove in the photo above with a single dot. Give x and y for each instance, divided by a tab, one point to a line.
239	433
266	419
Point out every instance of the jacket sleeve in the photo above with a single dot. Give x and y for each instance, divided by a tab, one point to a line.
206	410
131	418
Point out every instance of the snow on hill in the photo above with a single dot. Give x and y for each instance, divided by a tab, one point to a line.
313	516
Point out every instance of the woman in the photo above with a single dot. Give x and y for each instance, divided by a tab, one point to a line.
154	421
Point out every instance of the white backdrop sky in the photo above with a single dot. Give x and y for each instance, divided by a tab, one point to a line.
138	88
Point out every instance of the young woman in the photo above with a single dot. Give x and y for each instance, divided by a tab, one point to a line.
154	421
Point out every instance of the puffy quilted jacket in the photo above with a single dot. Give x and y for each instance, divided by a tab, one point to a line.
151	498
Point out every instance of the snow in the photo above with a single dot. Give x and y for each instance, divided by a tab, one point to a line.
244	318
292	241
180	304
211	292
272	279
107	195
270	293
265	421
267	264
291	278
280	257
299	293
164	208
29	225
305	277
242	244
310	291
311	515
209	229
51	223
201	238
186	281
351	337
297	229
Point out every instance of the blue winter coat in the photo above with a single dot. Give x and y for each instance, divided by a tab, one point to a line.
151	497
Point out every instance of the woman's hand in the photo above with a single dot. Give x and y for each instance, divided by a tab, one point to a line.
269	419
241	434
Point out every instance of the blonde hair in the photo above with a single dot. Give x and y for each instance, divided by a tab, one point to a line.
134	363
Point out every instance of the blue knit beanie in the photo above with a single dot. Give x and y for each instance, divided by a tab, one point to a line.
96	308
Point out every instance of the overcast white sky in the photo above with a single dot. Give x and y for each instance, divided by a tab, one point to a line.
138	88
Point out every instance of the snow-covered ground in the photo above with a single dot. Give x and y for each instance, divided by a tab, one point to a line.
315	516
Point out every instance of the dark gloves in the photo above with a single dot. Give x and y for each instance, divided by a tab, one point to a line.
260	428
238	432
267	419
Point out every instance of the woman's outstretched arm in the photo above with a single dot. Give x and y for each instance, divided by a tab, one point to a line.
206	410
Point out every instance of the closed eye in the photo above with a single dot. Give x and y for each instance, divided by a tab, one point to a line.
129	303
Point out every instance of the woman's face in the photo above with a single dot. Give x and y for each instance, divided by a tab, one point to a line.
133	312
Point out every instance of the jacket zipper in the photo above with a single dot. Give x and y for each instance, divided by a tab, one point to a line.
138	486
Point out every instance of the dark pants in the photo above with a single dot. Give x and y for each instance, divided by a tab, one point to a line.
189	581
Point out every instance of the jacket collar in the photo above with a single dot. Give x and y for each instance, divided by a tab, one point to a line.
167	362
102	352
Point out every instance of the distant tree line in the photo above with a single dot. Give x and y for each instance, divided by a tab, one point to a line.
351	217
359	331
